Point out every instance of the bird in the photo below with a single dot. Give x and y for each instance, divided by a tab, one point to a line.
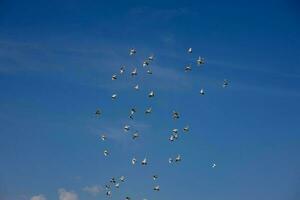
148	110
156	188
98	113
114	96
135	135
122	178
107	187
150	58
108	193
132	111
144	162
117	185
213	165
132	52
149	71
178	158
103	137
136	87
133	161
126	128
186	128
122	70
105	152
200	61
113	180
225	83
190	50
202	92
172	138
175	115
127	198
134	72
151	94
114	77
188	68
170	160
155	177
145	63
175	130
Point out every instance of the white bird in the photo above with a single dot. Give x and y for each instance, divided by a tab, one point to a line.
200	61
135	135
122	70
145	63
186	128
105	152
122	178
136	87
103	137
114	96
134	72
151	94
107	187
156	188
150	58
175	136
175	130
170	160
155	177
178	158
148	110
132	52
175	115
225	83
133	161
126	128
190	50
213	165
114	77
144	162
149	71
188	68
117	185
202	92
108	193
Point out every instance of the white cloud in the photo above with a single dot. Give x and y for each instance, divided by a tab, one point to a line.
93	190
38	197
65	195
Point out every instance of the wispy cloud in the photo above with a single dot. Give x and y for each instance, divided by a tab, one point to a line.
38	197
93	190
67	195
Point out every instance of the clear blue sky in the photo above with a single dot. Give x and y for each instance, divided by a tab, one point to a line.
56	62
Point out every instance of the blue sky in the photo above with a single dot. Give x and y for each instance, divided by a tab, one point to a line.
56	62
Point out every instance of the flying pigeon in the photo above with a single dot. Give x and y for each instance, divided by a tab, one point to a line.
105	152
136	87
117	185
225	83
107	187
170	160
172	138
175	130
122	70
150	58
114	77
213	165
113	180
149	71
186	128
114	96
200	61
135	135
188	68
132	52
108	193
103	137
98	113
175	115
145	63
122	178
144	162
155	177
126	128
156	188
127	198
178	158
151	94
148	110
133	161
202	92
190	50
134	72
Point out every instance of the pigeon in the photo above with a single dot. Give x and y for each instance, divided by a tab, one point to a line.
113	180
149	71
170	160
136	87
175	130
108	193
200	61
175	115
178	158
114	77
98	113
225	83
186	128
114	96
134	72
132	52
122	70
148	110
122	178
144	162
175	135
172	138
202	92
190	50
151	94
105	152
155	177
135	135
127	198
132	111
145	63
150	58
126	128
107	187
103	137
213	165
133	161
156	188
188	68
117	185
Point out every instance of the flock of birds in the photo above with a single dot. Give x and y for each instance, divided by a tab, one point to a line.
116	182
